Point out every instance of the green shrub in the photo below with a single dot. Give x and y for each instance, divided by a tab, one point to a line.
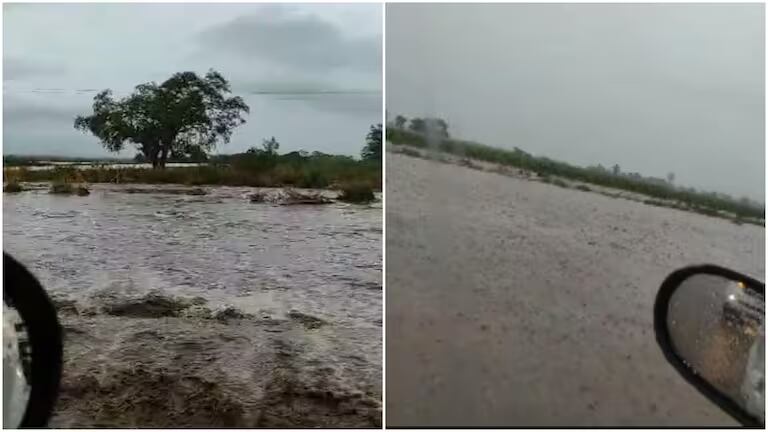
656	203
560	183
359	193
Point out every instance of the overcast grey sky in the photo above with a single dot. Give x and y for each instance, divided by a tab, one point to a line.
278	57
655	88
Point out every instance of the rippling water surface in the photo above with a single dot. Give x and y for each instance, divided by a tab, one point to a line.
307	279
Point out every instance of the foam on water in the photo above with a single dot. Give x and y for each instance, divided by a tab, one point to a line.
239	311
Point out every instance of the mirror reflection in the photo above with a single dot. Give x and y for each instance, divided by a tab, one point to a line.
717	327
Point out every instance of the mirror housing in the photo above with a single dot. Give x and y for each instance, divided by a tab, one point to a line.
40	359
722	320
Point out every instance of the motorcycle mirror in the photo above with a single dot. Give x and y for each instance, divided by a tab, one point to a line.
709	323
32	349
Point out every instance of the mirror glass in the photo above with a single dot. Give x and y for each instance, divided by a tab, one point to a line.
717	328
16	368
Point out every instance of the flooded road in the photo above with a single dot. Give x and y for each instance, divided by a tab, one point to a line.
208	310
518	303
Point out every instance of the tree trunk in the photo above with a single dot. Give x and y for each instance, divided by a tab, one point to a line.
163	157
153	156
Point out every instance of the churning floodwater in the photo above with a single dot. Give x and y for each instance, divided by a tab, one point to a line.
245	314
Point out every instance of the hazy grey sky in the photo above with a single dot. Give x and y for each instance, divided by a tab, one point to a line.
278	57
655	88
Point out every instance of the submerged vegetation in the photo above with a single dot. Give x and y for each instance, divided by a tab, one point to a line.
61	188
683	198
293	197
359	193
64	186
289	196
13	186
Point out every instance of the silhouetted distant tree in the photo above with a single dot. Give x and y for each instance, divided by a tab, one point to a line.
372	149
432	126
270	146
437	126
400	122
418	125
616	170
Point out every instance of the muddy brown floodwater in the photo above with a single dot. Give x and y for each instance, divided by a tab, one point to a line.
207	311
518	303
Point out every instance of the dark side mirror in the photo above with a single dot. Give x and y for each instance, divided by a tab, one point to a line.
710	324
32	349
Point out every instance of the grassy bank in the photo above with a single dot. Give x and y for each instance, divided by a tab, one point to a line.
701	202
244	170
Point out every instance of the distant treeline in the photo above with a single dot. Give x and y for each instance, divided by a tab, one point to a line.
658	188
260	167
22	160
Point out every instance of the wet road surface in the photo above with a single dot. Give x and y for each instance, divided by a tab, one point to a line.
517	303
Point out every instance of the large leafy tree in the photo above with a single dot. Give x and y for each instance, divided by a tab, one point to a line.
372	149
186	114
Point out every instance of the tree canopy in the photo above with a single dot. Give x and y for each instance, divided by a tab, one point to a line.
432	126
185	115
270	146
372	149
